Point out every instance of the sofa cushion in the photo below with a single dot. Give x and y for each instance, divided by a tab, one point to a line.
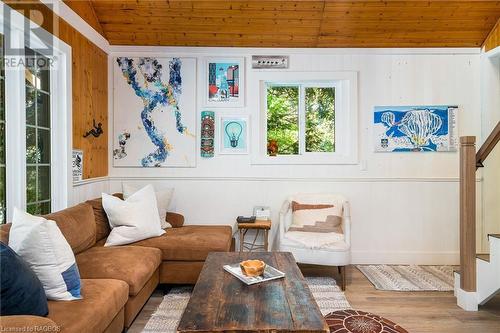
132	264
27	324
191	243
77	224
102	228
102	301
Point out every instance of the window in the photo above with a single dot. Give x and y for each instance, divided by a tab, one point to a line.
301	118
37	79
35	113
306	118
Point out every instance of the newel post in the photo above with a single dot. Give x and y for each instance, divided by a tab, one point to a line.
468	213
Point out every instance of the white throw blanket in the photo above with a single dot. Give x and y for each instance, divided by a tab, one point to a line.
314	240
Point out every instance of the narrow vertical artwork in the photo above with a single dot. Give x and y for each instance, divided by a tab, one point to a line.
207	134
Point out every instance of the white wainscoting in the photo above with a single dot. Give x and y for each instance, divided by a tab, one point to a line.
88	189
393	220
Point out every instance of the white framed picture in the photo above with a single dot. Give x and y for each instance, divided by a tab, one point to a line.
224	83
77	165
154	112
234	134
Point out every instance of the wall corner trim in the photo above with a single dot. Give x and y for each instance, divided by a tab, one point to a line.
73	19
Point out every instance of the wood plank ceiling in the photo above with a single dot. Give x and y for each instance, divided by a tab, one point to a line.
329	23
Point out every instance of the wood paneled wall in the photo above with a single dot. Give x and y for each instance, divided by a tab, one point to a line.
90	86
493	39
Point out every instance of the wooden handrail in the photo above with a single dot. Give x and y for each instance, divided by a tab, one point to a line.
468	213
488	146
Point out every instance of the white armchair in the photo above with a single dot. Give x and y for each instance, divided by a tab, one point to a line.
337	253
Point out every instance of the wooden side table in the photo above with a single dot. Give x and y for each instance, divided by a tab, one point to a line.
257	225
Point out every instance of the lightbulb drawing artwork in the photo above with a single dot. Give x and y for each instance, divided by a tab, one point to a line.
415	128
233	131
234	135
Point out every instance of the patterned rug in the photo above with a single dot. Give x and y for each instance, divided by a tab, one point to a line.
360	322
409	278
166	318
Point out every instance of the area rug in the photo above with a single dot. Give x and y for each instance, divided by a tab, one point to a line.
360	322
166	318
409	278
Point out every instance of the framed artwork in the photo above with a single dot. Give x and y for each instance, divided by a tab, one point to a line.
427	128
224	85
233	135
154	120
207	140
77	165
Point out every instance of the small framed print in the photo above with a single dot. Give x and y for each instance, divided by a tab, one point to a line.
225	82
233	135
77	165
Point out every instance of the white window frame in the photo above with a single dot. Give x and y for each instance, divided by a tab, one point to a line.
346	117
15	116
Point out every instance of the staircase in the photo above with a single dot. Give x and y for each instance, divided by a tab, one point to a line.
478	279
487	277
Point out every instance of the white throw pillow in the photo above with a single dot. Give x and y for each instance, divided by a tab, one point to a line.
133	219
42	245
163	199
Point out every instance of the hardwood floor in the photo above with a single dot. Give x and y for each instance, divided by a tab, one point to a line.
418	312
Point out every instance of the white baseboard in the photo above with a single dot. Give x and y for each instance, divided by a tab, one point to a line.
466	300
405	257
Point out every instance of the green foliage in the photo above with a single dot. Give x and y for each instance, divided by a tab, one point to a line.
320	120
283	119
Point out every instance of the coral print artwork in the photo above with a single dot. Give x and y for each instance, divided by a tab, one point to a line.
415	128
154	112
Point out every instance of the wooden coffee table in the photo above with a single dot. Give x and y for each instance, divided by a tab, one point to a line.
222	303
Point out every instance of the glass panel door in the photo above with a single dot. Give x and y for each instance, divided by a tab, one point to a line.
38	175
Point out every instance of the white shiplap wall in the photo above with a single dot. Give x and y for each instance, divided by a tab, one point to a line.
404	206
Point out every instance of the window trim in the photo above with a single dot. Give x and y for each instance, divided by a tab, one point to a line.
346	117
15	116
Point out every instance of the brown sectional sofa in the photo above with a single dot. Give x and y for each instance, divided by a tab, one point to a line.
117	281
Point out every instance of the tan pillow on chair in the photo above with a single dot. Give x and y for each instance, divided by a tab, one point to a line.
316	218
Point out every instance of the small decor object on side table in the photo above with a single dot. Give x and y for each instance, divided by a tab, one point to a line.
257	225
262	213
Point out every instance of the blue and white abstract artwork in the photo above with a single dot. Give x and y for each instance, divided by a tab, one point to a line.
154	112
427	128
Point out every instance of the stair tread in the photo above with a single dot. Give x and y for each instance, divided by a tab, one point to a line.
494	235
483	256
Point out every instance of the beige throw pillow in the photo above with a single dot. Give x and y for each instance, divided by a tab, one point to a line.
321	220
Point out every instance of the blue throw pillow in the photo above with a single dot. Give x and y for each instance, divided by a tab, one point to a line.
21	291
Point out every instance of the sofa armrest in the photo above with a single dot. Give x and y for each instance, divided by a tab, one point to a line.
175	219
284	212
346	222
27	324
